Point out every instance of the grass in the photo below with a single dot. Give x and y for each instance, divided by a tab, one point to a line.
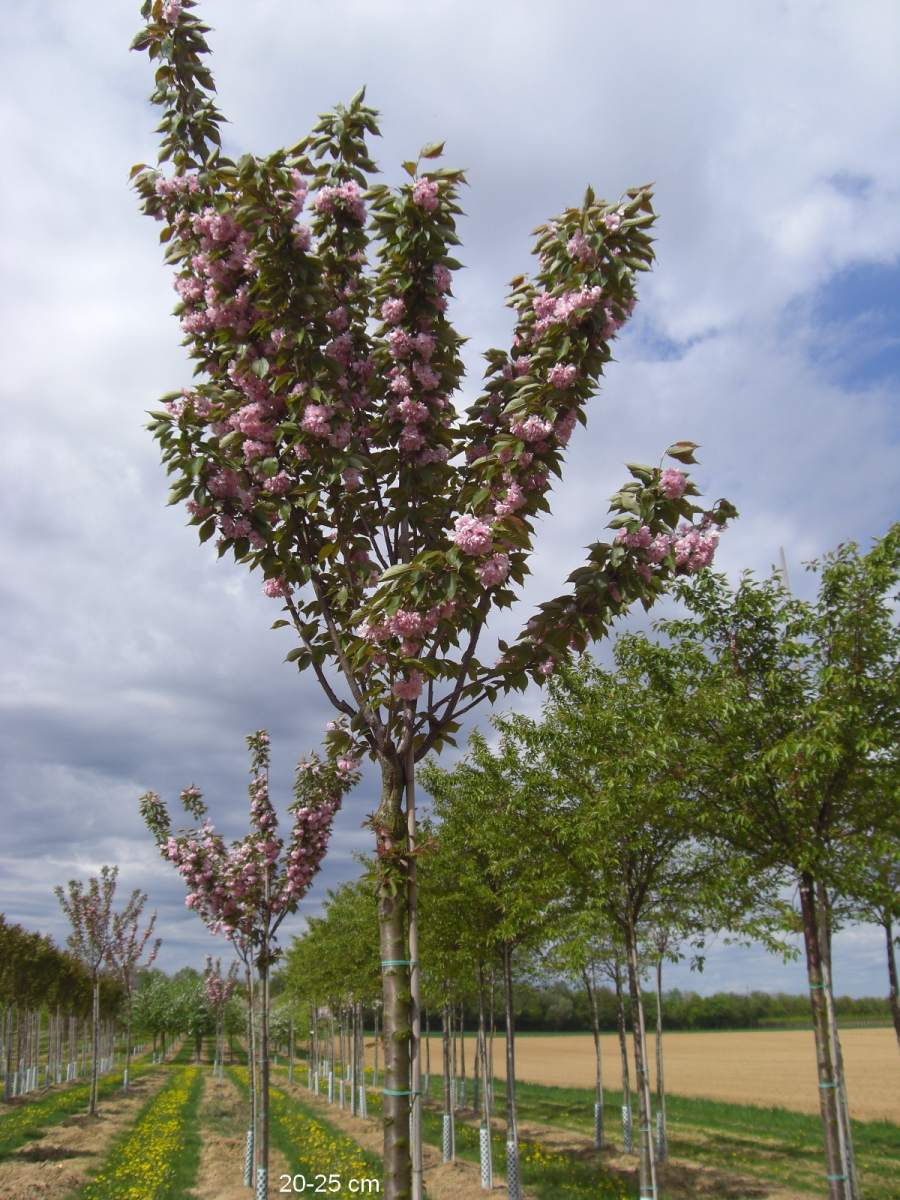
772	1144
312	1145
158	1156
23	1122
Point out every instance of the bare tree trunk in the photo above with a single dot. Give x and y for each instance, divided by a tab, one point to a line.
823	913
894	994
663	1146
262	1158
623	1037
512	1134
462	1053
445	1050
835	1159
647	1156
598	1076
393	901
415	1044
95	1046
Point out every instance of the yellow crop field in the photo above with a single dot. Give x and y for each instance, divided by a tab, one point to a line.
757	1067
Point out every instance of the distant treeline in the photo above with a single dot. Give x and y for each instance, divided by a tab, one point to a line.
560	1007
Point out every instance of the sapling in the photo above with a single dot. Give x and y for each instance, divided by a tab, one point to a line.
320	445
246	890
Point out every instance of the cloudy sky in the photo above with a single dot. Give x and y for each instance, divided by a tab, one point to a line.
131	658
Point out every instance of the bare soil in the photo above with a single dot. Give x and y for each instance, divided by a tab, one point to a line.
223	1120
764	1067
59	1162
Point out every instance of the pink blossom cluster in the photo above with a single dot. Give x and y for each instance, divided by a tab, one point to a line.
171	11
425	194
241	889
672	483
345	199
393	310
692	548
219	988
579	248
177	185
494	570
562	375
564	309
472	535
409	627
410	687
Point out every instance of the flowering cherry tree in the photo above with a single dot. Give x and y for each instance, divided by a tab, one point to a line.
245	890
320	445
219	990
126	950
92	940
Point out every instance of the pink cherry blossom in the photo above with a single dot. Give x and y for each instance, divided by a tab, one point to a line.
410	687
494	571
672	483
425	194
471	535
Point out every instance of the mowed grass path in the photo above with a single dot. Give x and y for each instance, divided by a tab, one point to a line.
769	1144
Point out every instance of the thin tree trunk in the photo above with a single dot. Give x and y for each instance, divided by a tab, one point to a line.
823	913
647	1157
415	1045
836	1167
623	1036
127	1047
393	901
894	994
598	1077
445	1046
251	1050
262	1159
427	1053
95	1045
462	1052
662	1148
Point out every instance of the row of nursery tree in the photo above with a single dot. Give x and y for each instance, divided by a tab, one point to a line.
733	779
320	445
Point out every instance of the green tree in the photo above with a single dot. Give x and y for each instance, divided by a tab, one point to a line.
798	701
499	836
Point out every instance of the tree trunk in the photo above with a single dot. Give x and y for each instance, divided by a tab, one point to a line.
127	1047
662	1148
427	1055
823	914
894	994
835	1162
462	1054
445	1049
623	1037
262	1156
251	1052
415	1045
598	1077
647	1156
393	900
95	1046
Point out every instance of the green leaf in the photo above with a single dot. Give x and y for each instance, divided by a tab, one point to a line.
682	451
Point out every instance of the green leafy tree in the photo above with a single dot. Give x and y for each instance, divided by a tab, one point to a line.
798	701
499	834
